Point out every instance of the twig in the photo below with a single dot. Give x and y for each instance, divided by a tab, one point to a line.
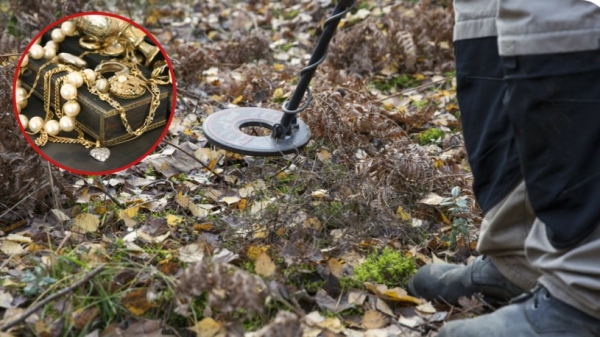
52	297
422	86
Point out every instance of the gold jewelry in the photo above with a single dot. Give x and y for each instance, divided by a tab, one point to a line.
128	82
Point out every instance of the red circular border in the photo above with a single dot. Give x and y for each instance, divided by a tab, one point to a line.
172	74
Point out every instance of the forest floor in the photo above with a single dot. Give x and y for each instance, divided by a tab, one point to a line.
198	241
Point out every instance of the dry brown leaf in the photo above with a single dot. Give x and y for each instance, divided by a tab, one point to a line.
264	266
136	302
182	200
336	266
373	319
84	317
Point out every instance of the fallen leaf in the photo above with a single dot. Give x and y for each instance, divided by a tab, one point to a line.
18	238
357	297
431	199
208	327
426	308
87	222
6	300
182	200
81	317
254	252
193	252
384	307
11	248
319	194
336	266
324	156
136	302
328	303
230	200
373	319
174	220
264	266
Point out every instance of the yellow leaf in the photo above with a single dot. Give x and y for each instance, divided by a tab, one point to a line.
400	295
212	164
129	213
278	67
402	214
174	220
237	99
278	93
373	319
394	294
419	77
254	251
136	302
243	204
203	226
264	266
324	156
336	266
208	327
87	222
259	232
312	223
445	219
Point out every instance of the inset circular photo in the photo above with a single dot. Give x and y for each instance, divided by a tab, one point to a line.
94	93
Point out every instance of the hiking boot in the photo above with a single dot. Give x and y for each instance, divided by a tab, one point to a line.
535	313
448	282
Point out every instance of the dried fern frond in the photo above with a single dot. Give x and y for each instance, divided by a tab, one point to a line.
229	288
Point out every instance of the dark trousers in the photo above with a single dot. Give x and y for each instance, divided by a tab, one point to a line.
536	118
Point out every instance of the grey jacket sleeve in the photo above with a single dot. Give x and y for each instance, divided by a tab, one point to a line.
526	27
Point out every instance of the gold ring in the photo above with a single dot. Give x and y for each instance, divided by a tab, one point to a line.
90	42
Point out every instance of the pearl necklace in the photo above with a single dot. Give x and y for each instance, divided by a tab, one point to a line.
68	90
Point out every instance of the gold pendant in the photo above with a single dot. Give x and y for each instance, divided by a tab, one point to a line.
126	86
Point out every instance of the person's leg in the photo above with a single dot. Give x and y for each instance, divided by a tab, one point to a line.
492	153
553	102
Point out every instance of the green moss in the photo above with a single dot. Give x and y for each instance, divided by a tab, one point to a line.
389	267
291	14
430	136
348	283
400	82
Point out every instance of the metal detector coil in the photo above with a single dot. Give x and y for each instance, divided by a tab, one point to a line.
288	134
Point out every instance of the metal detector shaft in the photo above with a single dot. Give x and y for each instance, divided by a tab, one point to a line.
291	107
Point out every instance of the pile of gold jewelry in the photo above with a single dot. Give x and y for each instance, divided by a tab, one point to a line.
106	36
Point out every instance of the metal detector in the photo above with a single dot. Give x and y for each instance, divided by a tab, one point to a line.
288	134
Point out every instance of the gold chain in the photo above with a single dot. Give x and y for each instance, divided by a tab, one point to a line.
154	104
